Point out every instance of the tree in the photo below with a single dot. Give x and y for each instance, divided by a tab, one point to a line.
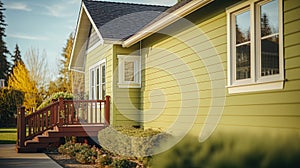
17	55
38	67
4	64
16	58
65	74
22	81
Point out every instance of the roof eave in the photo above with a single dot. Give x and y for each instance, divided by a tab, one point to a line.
166	21
83	8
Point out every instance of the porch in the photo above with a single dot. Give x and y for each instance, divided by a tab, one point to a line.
62	118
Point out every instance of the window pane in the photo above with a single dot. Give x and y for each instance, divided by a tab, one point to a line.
243	27
269	18
97	92
243	62
103	91
129	71
103	74
93	82
270	56
98	76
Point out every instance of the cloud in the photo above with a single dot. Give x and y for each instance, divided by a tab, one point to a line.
17	6
27	37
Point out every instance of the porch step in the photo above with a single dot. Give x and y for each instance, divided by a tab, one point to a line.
52	138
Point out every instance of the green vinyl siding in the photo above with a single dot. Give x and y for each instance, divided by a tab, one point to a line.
171	64
126	101
101	52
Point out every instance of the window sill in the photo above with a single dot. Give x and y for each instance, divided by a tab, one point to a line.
275	85
126	85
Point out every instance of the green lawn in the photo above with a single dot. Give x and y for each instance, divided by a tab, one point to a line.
8	135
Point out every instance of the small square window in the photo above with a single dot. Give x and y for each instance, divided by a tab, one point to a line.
129	71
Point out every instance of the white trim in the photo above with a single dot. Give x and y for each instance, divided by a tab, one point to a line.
256	82
277	85
94	47
97	64
137	71
75	37
93	69
166	21
93	23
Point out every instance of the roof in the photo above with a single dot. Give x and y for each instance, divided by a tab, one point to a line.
173	14
119	21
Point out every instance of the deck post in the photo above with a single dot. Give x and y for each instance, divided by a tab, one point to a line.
107	110
21	127
61	111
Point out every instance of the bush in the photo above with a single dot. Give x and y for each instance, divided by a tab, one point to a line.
233	151
123	163
65	95
10	100
87	154
104	159
131	142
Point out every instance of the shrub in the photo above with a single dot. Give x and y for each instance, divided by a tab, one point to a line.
86	154
9	101
104	159
65	95
131	142
123	163
233	151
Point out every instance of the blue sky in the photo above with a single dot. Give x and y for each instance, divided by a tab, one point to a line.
46	24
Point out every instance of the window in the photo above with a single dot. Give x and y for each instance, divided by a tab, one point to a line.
97	81
129	71
2	83
255	50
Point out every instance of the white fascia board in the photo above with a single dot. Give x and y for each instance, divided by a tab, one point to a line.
93	23
166	21
75	37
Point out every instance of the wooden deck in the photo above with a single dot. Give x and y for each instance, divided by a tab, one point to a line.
49	126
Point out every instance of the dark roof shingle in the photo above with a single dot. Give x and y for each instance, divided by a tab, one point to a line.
119	21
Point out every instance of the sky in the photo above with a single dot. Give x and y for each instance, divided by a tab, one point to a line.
45	25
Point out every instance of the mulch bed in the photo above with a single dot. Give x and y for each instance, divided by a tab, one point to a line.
67	161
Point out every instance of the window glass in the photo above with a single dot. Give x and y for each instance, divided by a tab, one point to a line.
243	27
93	85
243	45
269	39
269	18
129	71
103	82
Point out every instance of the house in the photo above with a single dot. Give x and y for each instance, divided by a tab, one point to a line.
198	67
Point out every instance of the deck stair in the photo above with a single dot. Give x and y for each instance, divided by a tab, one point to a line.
48	127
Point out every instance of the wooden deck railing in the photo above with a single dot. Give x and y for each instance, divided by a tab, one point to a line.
59	113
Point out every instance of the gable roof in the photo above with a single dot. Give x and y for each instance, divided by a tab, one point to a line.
118	21
170	16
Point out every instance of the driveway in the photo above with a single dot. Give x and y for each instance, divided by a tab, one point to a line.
10	158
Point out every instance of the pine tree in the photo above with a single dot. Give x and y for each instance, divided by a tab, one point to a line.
21	80
17	55
4	64
65	73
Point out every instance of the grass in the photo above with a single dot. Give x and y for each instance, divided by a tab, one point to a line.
8	135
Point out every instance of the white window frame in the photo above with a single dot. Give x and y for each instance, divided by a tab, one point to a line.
93	85
137	71
256	82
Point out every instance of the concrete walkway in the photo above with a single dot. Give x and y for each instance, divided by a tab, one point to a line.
10	158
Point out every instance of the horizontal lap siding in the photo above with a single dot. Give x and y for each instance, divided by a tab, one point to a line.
272	110
177	67
96	55
172	64
126	102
